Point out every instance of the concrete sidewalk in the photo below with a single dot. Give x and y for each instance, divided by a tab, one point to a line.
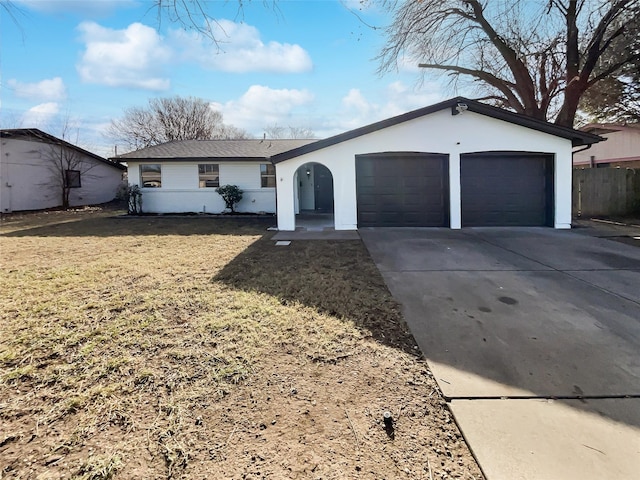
534	338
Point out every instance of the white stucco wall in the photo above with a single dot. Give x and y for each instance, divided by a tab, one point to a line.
26	180
180	192
439	132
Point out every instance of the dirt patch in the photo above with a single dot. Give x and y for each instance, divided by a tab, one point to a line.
195	348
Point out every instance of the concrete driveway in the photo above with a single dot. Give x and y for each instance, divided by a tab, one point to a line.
533	335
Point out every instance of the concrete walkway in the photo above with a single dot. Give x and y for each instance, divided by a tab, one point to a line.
533	335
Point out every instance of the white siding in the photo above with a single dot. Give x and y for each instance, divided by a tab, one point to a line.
178	177
26	180
180	192
439	132
245	175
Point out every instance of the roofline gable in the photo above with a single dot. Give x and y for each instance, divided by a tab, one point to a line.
577	137
48	138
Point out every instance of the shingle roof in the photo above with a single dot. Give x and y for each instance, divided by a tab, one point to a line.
577	137
219	149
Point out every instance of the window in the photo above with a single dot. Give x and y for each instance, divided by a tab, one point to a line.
209	175
72	178
267	175
151	176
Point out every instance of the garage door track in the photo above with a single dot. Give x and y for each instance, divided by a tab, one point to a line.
533	335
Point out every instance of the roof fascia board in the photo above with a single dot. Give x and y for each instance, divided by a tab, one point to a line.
45	137
577	138
197	159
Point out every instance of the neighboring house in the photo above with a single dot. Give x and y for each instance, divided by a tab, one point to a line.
622	148
182	176
455	164
36	166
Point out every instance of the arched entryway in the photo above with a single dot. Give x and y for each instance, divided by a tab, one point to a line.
313	197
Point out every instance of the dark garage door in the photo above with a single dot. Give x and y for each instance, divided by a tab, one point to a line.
506	189
402	190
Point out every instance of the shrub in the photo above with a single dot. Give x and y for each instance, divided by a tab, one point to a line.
133	196
231	195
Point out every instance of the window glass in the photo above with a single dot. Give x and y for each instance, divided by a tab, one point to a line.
267	175
151	176
209	175
72	178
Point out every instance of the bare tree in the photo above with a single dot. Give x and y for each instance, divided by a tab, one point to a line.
67	164
195	15
169	119
229	132
535	57
13	10
276	131
617	97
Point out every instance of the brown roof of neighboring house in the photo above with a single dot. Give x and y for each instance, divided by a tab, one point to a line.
239	150
39	135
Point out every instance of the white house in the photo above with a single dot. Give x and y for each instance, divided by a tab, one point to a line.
454	164
622	148
36	166
182	176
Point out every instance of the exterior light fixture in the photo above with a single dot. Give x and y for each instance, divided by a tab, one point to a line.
458	108
308	173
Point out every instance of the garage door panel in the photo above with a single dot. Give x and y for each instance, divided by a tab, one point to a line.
402	190
506	189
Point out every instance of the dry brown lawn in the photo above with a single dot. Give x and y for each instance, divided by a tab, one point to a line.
195	348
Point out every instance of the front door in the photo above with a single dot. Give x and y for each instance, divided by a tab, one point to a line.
324	189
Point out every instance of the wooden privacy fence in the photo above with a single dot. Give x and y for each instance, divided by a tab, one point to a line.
606	191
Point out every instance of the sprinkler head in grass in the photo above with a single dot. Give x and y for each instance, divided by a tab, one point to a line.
388	424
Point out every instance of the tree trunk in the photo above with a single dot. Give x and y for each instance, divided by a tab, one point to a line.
573	89
65	198
567	113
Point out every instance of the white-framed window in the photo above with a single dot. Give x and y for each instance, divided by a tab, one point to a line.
209	175
72	179
151	175
267	175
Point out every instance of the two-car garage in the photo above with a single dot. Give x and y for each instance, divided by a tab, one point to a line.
496	189
458	163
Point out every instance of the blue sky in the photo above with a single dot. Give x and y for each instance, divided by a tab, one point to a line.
304	63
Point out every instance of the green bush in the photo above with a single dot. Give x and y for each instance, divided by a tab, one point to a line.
231	195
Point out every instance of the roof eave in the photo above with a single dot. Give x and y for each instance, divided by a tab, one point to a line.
39	134
577	138
194	159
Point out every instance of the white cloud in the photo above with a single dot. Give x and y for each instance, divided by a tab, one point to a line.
48	89
239	50
355	100
138	56
40	115
133	57
396	99
260	106
409	65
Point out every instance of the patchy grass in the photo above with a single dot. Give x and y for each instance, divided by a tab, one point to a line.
196	348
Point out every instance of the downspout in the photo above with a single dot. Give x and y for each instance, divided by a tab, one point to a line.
582	149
